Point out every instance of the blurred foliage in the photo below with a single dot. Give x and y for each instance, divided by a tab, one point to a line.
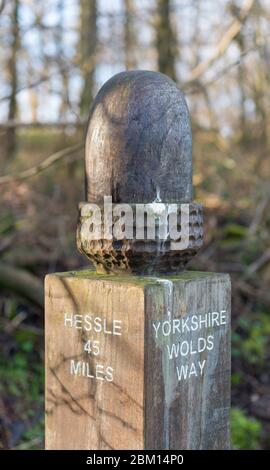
251	338
245	431
40	216
7	223
230	117
22	376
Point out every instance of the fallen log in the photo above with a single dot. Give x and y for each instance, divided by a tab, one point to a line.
21	282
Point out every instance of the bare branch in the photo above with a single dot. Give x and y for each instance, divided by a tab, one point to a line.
66	68
27	87
223	44
22	282
2	5
198	86
37	124
49	161
259	263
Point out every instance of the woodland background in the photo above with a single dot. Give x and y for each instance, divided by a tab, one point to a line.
55	54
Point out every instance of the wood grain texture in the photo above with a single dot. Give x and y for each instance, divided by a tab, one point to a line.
145	406
83	413
192	413
139	141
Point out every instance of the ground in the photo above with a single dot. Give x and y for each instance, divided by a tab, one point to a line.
37	229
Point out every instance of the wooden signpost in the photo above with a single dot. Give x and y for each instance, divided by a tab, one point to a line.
138	353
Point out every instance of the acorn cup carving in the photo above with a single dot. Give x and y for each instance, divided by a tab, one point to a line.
138	156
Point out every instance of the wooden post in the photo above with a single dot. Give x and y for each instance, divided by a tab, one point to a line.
138	353
137	363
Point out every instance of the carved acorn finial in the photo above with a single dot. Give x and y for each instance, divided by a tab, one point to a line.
139	151
139	141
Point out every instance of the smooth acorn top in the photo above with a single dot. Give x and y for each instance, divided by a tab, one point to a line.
139	142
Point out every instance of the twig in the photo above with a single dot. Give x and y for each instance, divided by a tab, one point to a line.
34	84
5	244
2	5
223	44
22	282
12	124
259	263
221	73
36	441
45	78
40	80
259	213
248	290
35	170
23	258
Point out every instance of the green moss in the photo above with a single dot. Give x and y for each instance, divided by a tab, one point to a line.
245	431
135	279
189	276
90	274
250	340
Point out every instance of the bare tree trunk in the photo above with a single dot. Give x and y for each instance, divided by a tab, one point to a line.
262	82
13	77
129	35
2	5
59	36
88	46
166	41
240	41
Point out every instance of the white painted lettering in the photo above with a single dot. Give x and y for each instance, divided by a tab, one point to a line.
223	317
201	366
176	326
97	325
182	372
185	326
68	320
87	323
109	374
117	326
173	350
156	328
203	321
192	370
201	344
75	367
194	323
78	322
166	328
210	342
215	318
184	348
